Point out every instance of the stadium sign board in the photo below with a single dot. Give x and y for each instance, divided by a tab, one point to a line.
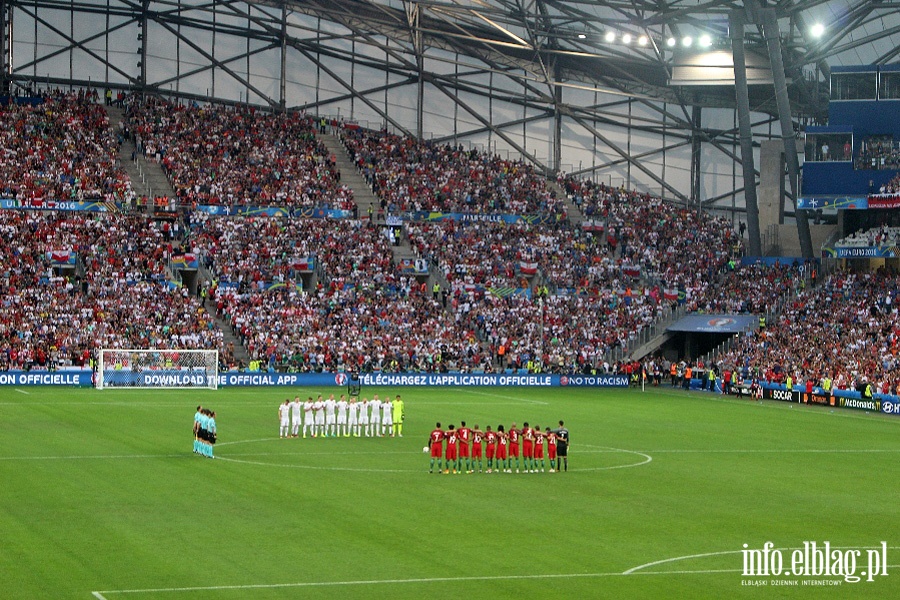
197	378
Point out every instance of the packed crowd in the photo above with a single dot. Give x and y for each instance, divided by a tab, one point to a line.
410	175
50	316
891	187
845	330
363	314
878	153
238	156
879	236
60	148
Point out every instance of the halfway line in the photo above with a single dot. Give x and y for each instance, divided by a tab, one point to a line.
400	581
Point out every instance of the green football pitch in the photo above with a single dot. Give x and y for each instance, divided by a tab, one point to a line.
101	497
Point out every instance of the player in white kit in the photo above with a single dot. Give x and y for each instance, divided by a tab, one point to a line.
330	428
284	418
319	409
353	416
387	418
342	417
296	405
364	416
308	417
375	418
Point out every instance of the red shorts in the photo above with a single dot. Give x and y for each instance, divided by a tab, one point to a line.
514	450
451	452
551	452
464	450
491	449
501	452
539	451
437	450
476	450
527	449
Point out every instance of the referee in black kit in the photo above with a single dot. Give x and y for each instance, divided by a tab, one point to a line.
562	446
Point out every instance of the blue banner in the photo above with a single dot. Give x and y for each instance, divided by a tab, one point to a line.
890	407
62	258
63	377
271	211
535	219
832	203
11	203
714	323
861	252
171	378
774	261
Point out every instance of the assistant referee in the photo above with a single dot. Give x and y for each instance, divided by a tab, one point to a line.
562	446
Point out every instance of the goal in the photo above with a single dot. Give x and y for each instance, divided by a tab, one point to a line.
137	369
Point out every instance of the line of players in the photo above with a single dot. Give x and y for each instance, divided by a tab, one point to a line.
341	418
204	432
501	448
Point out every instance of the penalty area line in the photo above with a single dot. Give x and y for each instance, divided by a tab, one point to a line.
23	392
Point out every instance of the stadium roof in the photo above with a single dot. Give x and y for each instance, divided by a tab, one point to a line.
622	46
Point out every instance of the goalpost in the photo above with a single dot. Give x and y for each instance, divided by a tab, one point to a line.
141	369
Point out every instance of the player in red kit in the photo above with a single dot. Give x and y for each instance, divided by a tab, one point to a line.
465	437
514	446
490	439
477	438
538	448
551	448
502	443
436	441
451	457
527	447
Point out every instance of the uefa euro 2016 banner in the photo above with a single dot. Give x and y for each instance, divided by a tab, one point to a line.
274	211
861	252
41	204
172	378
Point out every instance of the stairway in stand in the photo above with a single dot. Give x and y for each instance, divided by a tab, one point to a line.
147	176
366	201
576	218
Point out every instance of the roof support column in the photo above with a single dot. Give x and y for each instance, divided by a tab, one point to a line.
742	96
773	41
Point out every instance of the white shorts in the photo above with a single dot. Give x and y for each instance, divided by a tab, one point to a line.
320	419
285	423
376	420
354	420
308	419
329	419
342	420
364	420
387	421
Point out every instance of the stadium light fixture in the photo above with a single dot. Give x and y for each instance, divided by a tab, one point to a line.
671	42
705	41
687	41
817	30
581	36
610	36
626	39
642	41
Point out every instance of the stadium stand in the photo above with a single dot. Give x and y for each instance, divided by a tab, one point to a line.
845	329
409	175
59	148
238	156
54	317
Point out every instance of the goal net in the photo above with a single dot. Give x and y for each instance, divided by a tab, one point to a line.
138	369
